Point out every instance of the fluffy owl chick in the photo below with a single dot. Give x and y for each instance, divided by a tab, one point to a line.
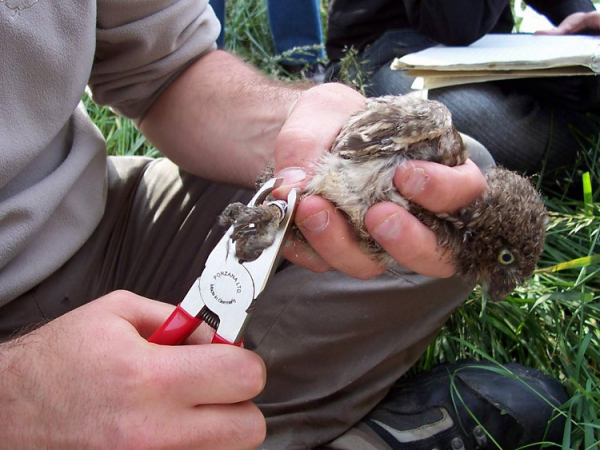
497	240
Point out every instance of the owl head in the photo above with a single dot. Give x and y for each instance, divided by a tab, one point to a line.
502	233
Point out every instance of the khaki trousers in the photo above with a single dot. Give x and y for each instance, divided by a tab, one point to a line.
332	344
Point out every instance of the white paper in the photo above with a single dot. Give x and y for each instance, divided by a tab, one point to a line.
508	52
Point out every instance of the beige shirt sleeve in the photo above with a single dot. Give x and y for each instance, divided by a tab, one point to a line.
143	45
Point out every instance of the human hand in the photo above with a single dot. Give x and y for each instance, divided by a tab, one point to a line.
90	379
576	23
315	121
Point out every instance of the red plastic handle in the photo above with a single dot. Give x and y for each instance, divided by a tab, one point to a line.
219	340
179	326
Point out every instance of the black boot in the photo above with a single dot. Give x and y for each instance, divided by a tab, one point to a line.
470	405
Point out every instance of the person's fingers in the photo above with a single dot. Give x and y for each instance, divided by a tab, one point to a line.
407	240
590	22
147	315
144	314
331	236
436	187
203	335
293	177
231	427
301	254
550	32
205	374
196	374
439	188
575	23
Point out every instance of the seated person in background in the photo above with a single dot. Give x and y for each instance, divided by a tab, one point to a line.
525	124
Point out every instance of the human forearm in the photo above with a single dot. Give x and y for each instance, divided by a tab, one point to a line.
220	118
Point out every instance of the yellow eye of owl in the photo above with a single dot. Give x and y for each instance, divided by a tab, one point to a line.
506	257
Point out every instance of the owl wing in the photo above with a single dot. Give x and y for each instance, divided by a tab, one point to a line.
392	124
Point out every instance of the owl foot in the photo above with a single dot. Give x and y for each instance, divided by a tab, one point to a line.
254	228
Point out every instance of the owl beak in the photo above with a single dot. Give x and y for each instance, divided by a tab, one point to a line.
498	287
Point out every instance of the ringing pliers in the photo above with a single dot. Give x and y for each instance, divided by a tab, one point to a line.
225	294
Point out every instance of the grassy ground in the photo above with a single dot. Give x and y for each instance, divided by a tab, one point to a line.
550	324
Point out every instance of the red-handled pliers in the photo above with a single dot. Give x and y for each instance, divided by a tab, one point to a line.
225	293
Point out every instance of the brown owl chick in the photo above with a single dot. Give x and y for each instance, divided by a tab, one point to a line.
497	240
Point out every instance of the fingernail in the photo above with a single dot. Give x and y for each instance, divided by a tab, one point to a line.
315	223
415	183
291	175
387	229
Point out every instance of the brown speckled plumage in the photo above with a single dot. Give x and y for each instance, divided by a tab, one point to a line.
497	240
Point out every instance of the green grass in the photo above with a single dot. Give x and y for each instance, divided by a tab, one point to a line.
551	324
122	137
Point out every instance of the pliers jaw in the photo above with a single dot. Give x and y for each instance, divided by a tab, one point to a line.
225	293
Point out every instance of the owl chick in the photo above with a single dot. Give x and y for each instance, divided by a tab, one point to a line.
497	240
